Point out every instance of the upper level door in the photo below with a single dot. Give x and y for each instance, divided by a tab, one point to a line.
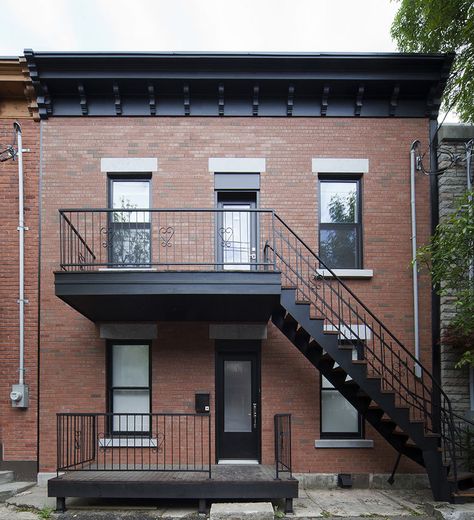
237	231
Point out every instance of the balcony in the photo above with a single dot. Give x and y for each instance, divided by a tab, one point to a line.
174	264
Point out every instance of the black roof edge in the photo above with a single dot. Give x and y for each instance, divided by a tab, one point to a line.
224	54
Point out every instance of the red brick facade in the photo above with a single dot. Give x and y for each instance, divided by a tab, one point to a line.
72	356
18	427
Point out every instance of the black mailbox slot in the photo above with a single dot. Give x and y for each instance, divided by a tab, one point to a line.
203	403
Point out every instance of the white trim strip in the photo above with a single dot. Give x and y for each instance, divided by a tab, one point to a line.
128	164
127	442
354	331
237	165
347	273
343	443
238	461
337	165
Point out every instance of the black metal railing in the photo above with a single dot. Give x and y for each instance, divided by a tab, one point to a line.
463	445
184	239
343	312
134	442
282	433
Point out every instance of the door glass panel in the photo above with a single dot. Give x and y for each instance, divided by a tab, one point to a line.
235	237
237	396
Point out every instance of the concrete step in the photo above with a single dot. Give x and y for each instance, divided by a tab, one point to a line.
13	488
242	511
6	476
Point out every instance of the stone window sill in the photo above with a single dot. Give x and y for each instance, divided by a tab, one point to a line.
343	443
128	442
347	273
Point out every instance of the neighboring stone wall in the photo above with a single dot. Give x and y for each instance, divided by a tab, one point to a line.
452	185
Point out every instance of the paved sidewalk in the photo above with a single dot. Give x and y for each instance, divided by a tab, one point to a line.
313	503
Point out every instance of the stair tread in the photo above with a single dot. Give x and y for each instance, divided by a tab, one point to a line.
462	476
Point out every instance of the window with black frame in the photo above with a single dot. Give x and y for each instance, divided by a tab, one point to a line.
339	419
129	239
340	228
129	387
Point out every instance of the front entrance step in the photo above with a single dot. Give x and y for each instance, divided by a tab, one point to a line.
6	476
242	511
13	488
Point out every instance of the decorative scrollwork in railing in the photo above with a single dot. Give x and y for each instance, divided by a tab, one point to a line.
108	236
166	234
226	235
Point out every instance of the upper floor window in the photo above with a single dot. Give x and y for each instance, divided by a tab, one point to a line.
340	228
129	231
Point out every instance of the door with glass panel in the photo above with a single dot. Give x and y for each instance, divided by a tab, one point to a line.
129	387
236	231
129	239
238	405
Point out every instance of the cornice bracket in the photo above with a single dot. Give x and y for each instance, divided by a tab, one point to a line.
220	90
83	99
117	99
187	100
290	102
256	90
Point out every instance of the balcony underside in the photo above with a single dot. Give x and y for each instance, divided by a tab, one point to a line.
117	295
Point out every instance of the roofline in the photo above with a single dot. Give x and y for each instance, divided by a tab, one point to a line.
234	55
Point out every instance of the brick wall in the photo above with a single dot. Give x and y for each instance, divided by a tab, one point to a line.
73	356
18	427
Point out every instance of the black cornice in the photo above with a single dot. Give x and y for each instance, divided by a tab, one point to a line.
212	84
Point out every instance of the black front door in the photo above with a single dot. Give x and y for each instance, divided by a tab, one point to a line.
238	401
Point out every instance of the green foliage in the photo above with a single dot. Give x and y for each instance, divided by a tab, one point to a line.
45	513
449	256
442	26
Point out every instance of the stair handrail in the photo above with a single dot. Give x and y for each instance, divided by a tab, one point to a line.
445	407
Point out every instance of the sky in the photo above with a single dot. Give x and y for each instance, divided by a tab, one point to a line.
198	25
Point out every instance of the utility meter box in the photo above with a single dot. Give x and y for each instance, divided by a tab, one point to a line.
19	396
203	403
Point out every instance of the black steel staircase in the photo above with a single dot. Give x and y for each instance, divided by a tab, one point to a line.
394	392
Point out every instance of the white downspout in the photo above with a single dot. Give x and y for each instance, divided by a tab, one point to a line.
19	393
416	325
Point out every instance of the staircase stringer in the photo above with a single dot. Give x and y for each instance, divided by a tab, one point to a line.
426	452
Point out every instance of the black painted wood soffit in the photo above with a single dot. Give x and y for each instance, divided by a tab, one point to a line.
284	85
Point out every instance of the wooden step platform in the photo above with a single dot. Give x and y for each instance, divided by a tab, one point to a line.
228	482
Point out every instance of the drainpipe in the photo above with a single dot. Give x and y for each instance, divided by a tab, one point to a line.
19	392
413	168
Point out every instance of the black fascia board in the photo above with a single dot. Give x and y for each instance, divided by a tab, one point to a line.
57	75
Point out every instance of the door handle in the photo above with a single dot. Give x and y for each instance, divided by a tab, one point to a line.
254	415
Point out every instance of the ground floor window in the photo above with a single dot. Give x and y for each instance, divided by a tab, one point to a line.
339	419
129	386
